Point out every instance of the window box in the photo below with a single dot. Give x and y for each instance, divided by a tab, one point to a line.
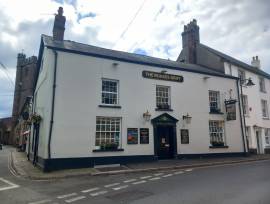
217	144
108	150
109	146
216	147
215	111
163	107
109	106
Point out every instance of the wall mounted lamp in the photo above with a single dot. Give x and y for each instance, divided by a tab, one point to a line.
187	118
147	115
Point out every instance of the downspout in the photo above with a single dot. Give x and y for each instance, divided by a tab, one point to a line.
53	99
240	110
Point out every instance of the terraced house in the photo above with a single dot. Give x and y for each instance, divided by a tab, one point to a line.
255	95
101	106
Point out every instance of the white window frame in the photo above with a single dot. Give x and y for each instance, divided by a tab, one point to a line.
245	105
265	113
108	92
109	128
262	84
267	136
217	132
168	97
214	97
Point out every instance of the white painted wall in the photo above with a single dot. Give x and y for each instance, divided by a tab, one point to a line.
254	102
78	96
42	101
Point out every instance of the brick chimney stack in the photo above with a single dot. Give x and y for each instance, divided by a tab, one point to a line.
256	62
59	25
190	38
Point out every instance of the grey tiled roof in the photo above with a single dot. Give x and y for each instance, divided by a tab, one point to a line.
236	62
75	47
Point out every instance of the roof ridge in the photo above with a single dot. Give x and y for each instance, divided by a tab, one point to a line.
236	61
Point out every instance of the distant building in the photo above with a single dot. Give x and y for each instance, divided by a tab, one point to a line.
256	99
101	106
26	74
5	130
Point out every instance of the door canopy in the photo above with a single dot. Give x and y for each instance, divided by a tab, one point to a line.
164	118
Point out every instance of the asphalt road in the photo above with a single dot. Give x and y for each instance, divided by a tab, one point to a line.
236	184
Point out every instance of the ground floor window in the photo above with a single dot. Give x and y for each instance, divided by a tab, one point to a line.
108	131
267	136
216	131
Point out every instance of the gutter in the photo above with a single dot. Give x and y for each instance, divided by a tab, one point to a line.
241	116
53	100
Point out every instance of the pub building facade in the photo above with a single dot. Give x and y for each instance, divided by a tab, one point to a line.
100	106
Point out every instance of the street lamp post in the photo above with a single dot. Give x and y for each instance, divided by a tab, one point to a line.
247	83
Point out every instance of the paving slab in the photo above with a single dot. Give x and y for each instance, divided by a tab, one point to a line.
26	169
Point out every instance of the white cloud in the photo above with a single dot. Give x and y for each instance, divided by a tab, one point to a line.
240	29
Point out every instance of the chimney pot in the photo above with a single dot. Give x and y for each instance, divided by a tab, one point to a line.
59	25
256	62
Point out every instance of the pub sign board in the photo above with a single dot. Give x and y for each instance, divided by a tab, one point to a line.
132	135
230	109
184	136
144	135
162	76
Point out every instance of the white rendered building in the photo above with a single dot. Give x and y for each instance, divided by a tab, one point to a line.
256	98
101	106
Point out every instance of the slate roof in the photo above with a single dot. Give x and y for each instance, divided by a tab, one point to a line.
236	61
79	48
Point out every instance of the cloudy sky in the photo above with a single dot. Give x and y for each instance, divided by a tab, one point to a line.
240	28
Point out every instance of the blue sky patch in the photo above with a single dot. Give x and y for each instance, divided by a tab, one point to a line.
88	15
140	51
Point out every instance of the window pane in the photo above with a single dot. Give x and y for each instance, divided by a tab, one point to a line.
107	130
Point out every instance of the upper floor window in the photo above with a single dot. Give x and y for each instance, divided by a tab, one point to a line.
214	101
245	104
242	76
230	69
264	109
262	84
216	131
267	136
163	98
110	92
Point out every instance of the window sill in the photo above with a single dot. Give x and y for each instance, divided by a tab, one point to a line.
108	150
164	109
109	106
217	147
219	113
266	118
263	91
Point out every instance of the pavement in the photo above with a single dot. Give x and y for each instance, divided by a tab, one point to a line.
20	166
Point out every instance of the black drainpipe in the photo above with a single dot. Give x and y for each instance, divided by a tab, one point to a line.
53	98
240	102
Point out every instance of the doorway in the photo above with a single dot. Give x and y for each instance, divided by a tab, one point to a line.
165	143
259	143
165	146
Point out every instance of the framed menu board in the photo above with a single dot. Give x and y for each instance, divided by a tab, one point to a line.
132	135
144	135
184	136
